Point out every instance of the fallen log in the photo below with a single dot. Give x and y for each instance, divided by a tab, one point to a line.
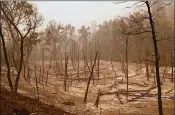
130	91
122	82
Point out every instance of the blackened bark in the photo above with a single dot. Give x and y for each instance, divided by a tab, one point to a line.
172	66
6	60
65	76
85	97
147	67
98	98
127	65
36	81
0	45
78	69
156	59
20	66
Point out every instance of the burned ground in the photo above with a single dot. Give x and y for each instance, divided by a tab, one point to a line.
142	93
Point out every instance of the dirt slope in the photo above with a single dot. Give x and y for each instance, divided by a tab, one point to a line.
27	105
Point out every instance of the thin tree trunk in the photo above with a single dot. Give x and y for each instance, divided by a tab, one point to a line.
156	59
127	66
153	72
90	55
147	67
6	60
147	70
0	57
117	94
24	71
71	56
164	72
84	67
28	74
36	81
78	69
172	66
113	69
98	98
47	74
85	97
42	52
88	66
0	46
98	65
65	75
40	74
20	65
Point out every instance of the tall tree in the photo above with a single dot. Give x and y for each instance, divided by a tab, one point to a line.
150	14
157	56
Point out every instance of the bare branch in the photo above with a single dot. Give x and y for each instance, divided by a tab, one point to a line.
119	2
134	4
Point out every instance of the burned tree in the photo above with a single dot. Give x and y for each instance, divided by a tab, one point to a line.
32	21
148	16
65	74
92	70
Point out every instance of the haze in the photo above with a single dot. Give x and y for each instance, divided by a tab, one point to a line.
87	58
78	13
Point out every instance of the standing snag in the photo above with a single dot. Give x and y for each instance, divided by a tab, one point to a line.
98	98
85	96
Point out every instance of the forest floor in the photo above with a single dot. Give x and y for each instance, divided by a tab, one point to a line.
142	93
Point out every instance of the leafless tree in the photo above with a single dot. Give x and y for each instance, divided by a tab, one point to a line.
172	68
36	81
137	31
32	22
65	75
98	99
85	96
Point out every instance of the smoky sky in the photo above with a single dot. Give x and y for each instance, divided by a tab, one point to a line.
78	13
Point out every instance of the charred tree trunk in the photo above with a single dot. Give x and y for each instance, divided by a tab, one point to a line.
71	55
65	75
24	70
98	99
84	67
40	74
36	81
20	65
22	37
42	53
153	72
98	66
47	74
172	66
156	59
0	45
113	69
78	68
85	97
147	67
0	57
6	60
164	72
28	74
127	66
86	63
90	55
